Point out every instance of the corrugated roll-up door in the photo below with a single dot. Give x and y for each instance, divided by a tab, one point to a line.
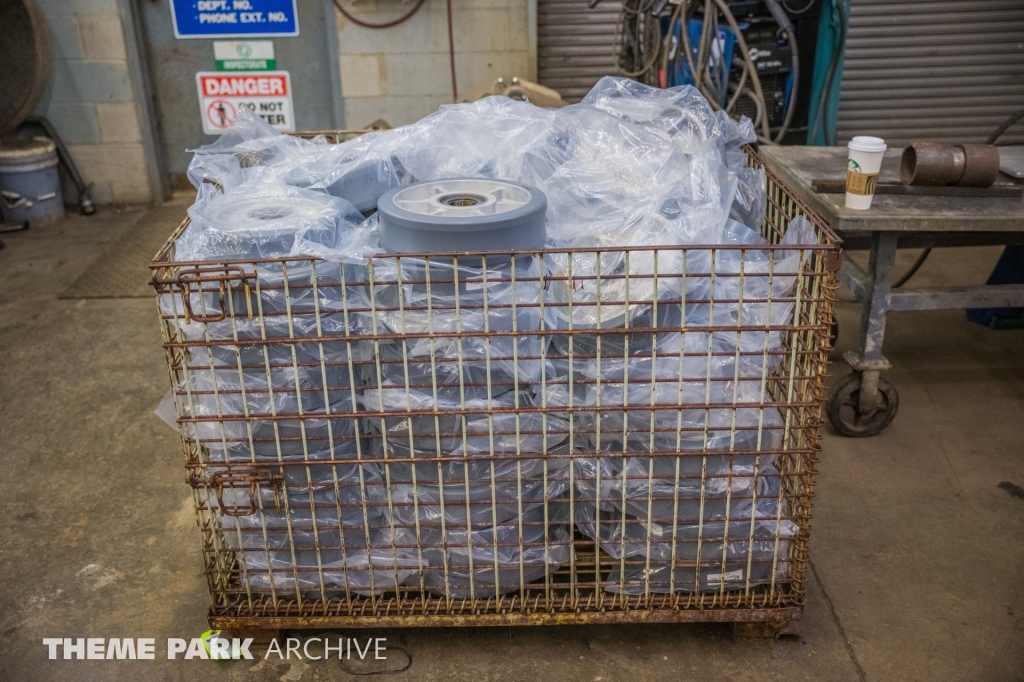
575	45
943	70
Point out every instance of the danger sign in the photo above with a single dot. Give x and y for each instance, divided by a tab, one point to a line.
267	93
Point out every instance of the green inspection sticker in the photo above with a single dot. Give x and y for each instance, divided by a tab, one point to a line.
244	55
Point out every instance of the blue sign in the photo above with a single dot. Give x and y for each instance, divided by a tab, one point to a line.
234	18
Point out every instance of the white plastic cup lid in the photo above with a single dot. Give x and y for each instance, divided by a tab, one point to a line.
866	143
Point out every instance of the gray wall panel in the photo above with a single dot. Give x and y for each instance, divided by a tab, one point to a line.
948	70
574	45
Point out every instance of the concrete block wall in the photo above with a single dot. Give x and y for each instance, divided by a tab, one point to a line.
401	74
90	99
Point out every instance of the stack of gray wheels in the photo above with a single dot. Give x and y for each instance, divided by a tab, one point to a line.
476	295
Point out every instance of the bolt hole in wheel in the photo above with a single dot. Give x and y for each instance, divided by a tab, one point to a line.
461	200
844	407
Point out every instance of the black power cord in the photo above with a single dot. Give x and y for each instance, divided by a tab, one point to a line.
637	43
786	26
1004	127
913	268
678	52
805	8
84	190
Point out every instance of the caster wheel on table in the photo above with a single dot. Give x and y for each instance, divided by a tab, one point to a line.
844	407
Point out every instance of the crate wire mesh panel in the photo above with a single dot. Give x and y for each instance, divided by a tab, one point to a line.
504	438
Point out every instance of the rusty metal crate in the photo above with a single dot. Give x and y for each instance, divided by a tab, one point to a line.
320	484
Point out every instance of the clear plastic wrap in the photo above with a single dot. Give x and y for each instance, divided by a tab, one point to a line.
753	564
497	300
279	342
485	138
735	135
682	113
295	509
246	392
750	203
475	502
288	435
715	474
243	151
477	432
358	171
756	280
329	572
264	218
340	530
628	409
487	561
630	165
703	518
688	530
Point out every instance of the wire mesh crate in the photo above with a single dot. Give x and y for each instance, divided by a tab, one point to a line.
589	436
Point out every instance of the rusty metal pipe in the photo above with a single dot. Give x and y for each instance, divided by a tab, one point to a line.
932	164
940	165
981	166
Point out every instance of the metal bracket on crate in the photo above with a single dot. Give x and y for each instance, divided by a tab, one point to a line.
223	275
834	260
193	470
241	478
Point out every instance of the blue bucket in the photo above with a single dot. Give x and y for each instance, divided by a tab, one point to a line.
30	181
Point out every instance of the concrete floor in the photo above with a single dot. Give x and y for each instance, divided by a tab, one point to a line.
918	554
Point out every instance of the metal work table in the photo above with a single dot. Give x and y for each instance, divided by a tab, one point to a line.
864	403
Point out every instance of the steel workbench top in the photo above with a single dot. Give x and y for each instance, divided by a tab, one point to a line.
863	403
798	166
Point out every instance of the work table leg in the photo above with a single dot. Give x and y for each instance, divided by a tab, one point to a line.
863	403
872	319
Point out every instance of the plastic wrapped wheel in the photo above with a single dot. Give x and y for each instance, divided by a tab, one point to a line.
844	407
463	214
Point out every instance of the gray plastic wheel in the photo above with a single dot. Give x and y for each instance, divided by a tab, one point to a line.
462	214
363	185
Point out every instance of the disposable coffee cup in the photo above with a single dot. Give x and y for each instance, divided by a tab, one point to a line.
862	168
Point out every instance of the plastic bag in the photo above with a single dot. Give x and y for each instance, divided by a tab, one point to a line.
359	171
498	300
476	433
626	535
766	276
330	572
658	577
750	202
499	559
264	218
286	435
